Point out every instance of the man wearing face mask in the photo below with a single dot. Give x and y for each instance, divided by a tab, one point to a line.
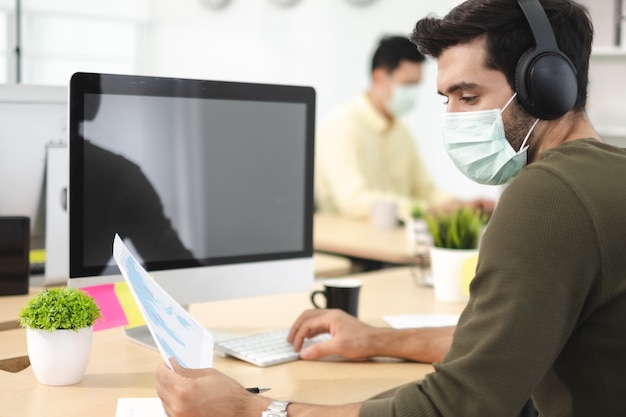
547	306
363	152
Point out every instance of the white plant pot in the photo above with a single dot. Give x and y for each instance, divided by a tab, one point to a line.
453	270
59	357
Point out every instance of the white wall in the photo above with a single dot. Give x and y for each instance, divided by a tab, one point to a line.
603	15
323	43
607	82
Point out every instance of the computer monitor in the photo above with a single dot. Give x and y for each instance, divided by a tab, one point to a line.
210	183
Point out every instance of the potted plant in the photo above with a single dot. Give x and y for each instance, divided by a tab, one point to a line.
459	229
59	329
454	250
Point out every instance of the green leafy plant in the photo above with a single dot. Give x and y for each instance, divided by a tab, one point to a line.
459	229
417	212
59	308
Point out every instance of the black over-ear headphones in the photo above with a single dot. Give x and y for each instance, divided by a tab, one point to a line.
545	78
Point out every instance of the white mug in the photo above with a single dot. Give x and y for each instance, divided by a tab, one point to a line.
384	214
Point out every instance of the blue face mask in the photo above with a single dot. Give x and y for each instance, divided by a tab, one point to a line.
476	143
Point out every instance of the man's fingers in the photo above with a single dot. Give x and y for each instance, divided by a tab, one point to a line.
307	325
176	367
308	329
318	350
303	318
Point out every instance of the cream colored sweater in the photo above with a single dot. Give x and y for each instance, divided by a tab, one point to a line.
362	157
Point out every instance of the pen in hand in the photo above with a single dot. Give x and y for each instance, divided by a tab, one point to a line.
257	390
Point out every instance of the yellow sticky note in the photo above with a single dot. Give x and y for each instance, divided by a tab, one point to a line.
37	256
468	270
131	310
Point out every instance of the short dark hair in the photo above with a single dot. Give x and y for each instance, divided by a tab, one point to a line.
392	50
508	35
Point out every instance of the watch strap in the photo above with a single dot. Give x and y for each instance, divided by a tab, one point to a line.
276	409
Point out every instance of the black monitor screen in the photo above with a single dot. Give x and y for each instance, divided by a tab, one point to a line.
189	172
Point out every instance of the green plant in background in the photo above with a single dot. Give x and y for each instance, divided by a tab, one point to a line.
58	309
417	212
459	229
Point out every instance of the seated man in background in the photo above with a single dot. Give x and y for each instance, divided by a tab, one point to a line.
364	153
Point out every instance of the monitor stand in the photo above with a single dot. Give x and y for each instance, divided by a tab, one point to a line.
142	336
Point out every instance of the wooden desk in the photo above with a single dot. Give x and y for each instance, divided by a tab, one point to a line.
360	239
119	368
327	265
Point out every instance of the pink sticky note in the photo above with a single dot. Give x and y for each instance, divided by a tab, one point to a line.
110	307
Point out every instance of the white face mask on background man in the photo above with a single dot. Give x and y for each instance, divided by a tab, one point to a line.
402	100
476	143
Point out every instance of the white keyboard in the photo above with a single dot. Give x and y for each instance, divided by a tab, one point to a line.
265	349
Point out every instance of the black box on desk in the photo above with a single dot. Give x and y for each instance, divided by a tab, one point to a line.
14	255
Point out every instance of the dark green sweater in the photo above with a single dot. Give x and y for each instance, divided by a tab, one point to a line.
547	311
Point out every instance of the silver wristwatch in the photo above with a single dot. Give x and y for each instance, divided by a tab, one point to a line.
276	409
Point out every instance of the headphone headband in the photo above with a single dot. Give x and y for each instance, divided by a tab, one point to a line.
545	78
539	23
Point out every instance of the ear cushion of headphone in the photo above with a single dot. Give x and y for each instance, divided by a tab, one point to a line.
546	83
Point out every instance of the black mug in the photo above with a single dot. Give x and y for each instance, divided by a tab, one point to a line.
341	293
14	255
